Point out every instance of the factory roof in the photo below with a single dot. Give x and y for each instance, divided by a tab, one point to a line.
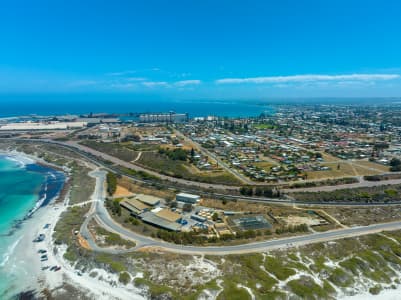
168	215
188	195
148	199
134	205
154	219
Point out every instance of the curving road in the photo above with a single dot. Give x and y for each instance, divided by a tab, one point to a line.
99	212
91	156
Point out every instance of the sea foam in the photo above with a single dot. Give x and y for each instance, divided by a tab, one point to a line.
21	160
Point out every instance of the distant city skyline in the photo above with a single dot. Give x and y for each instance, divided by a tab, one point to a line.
199	50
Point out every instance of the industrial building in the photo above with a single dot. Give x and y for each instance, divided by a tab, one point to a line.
222	229
148	199
42	126
140	203
187	198
162	218
170	117
134	206
254	222
198	218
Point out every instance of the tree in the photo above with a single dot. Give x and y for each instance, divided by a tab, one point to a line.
247	191
268	193
215	216
111	183
258	191
173	204
116	208
395	165
187	207
192	152
395	162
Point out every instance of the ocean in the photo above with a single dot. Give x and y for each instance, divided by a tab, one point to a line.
25	187
17	105
193	108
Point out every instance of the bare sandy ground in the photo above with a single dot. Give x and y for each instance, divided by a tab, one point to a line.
122	192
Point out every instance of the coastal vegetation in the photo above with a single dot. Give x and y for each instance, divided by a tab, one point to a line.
111	180
82	185
325	182
327	270
270	275
118	150
377	194
69	222
173	165
105	238
269	192
172	162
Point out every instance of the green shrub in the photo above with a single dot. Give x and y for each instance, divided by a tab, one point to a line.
124	278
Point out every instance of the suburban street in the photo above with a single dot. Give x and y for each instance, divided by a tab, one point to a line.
221	163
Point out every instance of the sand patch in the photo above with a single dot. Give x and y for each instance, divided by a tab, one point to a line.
83	243
122	192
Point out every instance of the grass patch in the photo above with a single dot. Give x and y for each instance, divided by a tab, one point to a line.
276	267
70	221
233	292
156	290
181	169
111	238
307	288
82	185
340	278
111	263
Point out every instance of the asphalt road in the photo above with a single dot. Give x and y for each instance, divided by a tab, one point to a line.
192	189
102	216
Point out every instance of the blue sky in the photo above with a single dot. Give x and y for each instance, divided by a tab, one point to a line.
200	49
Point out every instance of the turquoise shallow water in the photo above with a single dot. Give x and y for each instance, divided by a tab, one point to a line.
19	191
24	187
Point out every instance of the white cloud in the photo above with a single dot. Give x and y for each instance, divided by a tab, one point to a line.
308	78
122	86
184	83
152	84
122	73
136	79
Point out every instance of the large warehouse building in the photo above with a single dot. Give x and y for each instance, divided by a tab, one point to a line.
187	198
170	117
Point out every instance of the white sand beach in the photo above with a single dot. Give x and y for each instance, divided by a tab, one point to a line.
24	266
